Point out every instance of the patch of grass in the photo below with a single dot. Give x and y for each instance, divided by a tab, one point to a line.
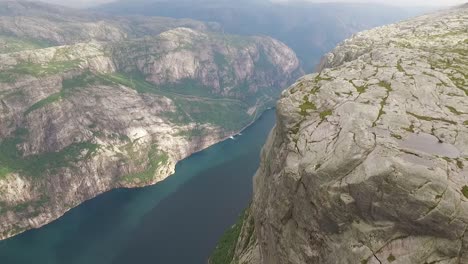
250	232
295	129
68	85
430	119
194	102
391	258
37	70
325	113
34	204
386	85
83	80
396	136
319	78
12	160
46	101
225	249
307	106
314	90
399	67
134	81
410	128
156	159
220	60
196	132
189	86
453	110
10	44
360	89
464	190
264	63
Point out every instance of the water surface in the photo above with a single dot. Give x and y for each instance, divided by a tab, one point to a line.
177	221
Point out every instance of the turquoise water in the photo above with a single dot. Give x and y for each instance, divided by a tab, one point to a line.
176	221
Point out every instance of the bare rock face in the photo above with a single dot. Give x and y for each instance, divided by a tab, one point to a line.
80	119
368	161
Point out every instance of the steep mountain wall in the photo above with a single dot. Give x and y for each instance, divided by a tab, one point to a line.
80	119
368	161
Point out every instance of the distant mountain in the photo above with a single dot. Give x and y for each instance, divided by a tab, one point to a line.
89	103
309	29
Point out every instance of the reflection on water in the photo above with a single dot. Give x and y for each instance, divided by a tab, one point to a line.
430	145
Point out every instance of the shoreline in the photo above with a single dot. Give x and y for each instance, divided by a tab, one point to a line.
51	216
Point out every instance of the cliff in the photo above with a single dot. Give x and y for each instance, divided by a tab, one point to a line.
368	160
83	111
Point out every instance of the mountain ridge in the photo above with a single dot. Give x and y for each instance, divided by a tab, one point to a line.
81	115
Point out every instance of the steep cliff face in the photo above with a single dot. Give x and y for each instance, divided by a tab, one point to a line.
309	28
368	161
80	119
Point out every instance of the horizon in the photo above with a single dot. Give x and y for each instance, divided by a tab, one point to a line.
397	3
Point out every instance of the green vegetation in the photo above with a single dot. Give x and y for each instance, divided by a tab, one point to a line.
453	110
194	102
156	159
360	89
34	204
46	101
220	60
10	44
12	160
325	113
465	191
307	106
236	41
263	63
396	136
83	80
399	67
465	123
134	81
391	258
319	78
388	87
455	68
37	70
138	82
430	119
68	86
224	251
410	128
189	87
189	134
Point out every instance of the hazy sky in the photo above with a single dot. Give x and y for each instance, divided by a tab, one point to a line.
394	2
81	3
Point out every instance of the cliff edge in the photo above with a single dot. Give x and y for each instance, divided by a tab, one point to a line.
368	162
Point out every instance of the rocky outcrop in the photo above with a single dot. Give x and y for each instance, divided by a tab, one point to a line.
368	161
80	119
